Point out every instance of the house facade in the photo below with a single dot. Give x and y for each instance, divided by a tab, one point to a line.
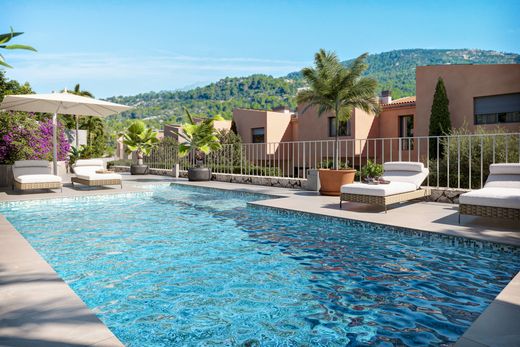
480	97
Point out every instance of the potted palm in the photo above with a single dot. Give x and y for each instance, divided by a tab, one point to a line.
139	140
198	139
337	89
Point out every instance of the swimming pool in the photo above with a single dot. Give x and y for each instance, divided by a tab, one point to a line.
193	266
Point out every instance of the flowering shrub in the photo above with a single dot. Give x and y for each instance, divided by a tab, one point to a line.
24	137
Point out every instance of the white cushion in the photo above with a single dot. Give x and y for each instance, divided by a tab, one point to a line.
86	170
31	163
38	179
414	177
403	166
503	181
378	189
87	167
494	197
95	176
31	167
504	169
89	162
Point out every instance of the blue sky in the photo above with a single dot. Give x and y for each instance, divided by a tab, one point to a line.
127	47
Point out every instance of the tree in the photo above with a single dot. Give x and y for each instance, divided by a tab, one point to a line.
10	87
440	122
338	89
4	38
77	91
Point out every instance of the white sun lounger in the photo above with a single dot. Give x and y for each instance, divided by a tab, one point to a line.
405	184
500	196
34	174
87	173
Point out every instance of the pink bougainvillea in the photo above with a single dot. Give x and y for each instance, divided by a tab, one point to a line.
31	139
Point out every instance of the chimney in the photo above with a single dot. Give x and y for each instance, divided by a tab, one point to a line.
386	97
282	109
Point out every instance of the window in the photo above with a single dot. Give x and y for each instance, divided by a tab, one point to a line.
497	109
406	130
258	135
344	127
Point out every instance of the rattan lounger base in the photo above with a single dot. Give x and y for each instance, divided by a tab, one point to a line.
489	211
95	183
29	186
384	201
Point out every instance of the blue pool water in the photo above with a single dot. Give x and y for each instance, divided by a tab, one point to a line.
190	266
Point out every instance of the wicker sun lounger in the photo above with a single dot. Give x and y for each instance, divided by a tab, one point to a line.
34	174
90	172
500	196
405	182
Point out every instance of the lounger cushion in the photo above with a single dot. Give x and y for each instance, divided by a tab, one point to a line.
403	166
41	178
503	181
378	189
89	162
504	169
96	177
494	197
31	167
31	163
87	167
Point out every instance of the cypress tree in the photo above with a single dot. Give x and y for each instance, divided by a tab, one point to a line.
440	122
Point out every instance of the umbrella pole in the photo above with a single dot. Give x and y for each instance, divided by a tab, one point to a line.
77	132
55	143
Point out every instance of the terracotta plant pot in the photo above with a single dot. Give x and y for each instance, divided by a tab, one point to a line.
332	180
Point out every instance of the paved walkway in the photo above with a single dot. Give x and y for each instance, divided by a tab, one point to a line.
38	309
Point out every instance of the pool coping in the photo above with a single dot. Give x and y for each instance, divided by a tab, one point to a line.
495	326
37	306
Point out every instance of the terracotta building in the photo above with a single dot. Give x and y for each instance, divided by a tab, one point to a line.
486	96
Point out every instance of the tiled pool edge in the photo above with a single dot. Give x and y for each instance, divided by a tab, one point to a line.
33	295
425	233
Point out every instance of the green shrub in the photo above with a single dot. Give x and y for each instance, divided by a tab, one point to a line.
472	150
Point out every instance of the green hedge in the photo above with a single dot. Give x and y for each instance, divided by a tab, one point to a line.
471	146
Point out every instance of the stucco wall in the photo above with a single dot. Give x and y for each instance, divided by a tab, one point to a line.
463	83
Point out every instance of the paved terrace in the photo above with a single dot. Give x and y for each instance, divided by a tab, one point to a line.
37	308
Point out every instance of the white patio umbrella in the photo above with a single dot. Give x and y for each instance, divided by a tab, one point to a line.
62	103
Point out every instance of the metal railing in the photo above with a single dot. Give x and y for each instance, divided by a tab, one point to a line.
455	161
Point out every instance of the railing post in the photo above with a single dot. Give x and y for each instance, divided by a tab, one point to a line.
304	159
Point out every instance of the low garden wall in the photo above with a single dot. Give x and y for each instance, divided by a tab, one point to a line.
446	195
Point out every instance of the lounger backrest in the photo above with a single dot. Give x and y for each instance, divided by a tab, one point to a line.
87	166
31	167
404	171
503	176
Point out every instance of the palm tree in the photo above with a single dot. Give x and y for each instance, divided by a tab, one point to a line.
95	127
4	38
338	89
91	124
77	91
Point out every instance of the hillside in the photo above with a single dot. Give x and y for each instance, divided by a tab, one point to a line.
394	70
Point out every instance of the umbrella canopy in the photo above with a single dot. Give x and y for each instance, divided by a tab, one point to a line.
62	103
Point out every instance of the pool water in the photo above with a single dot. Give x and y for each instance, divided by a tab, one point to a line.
192	266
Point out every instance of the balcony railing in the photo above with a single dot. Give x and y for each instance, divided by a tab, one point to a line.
457	161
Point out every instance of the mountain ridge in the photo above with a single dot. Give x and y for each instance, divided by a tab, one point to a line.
394	70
